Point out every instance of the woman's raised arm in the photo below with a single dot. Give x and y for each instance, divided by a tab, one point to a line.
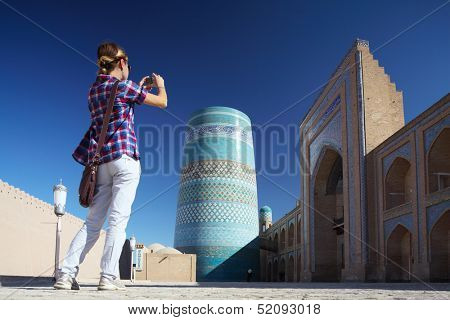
159	100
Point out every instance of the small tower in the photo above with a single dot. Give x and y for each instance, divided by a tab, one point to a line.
265	219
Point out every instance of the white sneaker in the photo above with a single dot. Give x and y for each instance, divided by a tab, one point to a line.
106	284
66	282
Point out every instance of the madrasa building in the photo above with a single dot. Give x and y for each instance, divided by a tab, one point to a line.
374	203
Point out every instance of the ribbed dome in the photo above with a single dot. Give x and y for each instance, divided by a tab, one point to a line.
265	209
168	250
155	247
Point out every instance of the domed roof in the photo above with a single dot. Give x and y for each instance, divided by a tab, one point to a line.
168	250
155	247
265	213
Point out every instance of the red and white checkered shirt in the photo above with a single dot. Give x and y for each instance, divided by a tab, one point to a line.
120	137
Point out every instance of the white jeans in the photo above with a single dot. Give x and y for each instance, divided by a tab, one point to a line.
117	182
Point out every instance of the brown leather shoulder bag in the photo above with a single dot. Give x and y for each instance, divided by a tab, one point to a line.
89	178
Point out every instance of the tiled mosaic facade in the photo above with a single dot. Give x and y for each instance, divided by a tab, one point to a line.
358	118
331	124
217	215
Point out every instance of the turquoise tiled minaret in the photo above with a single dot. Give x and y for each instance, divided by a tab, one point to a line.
265	218
217	214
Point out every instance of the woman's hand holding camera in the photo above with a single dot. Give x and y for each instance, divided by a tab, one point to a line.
158	80
155	81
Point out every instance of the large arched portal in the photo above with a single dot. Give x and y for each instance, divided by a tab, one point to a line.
328	218
440	249
398	266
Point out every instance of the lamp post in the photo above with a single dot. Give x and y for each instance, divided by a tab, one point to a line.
132	247
59	199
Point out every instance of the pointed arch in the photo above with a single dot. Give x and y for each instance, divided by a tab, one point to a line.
398	183
275	271
438	162
283	238
328	216
439	249
398	252
290	269
291	234
325	148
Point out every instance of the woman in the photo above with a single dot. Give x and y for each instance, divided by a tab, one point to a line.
119	170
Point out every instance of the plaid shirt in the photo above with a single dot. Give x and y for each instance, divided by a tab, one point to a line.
123	141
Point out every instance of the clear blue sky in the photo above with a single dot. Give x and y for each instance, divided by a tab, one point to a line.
256	56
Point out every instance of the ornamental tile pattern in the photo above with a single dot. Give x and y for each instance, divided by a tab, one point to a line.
218	168
215	130
220	191
217	213
265	213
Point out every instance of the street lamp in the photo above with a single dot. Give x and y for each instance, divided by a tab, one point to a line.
132	247
59	199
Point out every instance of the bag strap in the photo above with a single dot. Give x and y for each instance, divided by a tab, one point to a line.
109	138
106	118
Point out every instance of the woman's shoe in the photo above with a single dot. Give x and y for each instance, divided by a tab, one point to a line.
106	284
66	282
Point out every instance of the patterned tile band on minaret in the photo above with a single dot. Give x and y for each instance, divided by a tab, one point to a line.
217	214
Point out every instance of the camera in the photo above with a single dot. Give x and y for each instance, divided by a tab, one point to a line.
148	81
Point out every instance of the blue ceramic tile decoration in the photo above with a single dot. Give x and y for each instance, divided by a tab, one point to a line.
217	213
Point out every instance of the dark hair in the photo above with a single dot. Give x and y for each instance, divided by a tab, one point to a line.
108	55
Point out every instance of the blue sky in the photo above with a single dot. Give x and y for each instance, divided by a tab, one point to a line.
257	56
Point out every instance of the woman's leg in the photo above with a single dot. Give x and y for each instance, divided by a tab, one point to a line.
90	231
126	174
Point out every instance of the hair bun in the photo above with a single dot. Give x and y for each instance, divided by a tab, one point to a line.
104	60
107	54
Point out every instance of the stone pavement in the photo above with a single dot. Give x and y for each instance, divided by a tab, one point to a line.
42	289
